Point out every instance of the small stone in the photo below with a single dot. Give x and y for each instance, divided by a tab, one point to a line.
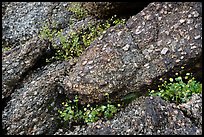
110	85
126	47
167	32
178	60
197	37
189	21
78	78
182	53
10	71
193	47
164	50
90	62
180	49
119	33
69	84
181	20
159	43
195	14
92	71
15	64
90	67
135	64
35	120
146	65
128	130
35	93
84	63
60	130
189	16
182	57
176	26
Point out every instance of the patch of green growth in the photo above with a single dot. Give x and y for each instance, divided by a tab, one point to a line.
176	90
75	112
6	49
74	44
77	10
47	33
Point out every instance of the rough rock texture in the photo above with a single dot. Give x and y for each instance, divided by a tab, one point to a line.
126	57
23	20
3	8
146	116
18	61
193	109
108	9
153	42
32	109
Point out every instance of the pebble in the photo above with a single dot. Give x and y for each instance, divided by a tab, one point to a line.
193	47
10	71
146	65
182	20
84	62
126	47
197	37
178	60
195	13
164	51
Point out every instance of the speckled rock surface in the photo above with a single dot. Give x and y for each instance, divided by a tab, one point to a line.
108	9
144	116
3	8
32	109
153	42
193	109
23	20
18	61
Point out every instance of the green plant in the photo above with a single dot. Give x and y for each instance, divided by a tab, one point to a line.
77	10
75	43
75	112
6	48
176	90
47	33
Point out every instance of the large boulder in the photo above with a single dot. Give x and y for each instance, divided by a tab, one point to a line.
19	61
148	116
159	39
32	109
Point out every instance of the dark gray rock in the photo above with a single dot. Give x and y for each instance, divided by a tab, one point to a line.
159	38
144	116
108	9
20	60
23	20
154	42
193	109
32	109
